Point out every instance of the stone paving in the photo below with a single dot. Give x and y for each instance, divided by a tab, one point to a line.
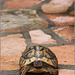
61	19
21	3
22	28
22	19
66	32
57	6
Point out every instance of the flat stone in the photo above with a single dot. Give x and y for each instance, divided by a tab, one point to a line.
21	3
57	6
66	33
21	20
66	72
61	19
39	37
64	54
12	47
10	55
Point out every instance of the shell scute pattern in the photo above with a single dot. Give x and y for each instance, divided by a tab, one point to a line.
38	53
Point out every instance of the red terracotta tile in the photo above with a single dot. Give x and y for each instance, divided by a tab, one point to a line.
66	33
65	54
10	62
12	47
66	72
61	19
21	3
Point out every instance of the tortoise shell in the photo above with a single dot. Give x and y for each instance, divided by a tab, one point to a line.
38	53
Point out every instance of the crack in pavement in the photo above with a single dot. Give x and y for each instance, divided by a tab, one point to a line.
48	31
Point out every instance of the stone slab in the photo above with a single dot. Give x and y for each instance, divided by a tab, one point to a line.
61	20
66	72
12	47
20	3
57	6
66	33
65	54
39	37
10	54
21	20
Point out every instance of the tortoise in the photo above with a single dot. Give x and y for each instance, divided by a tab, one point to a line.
38	59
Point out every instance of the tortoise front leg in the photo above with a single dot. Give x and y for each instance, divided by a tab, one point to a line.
24	70
52	71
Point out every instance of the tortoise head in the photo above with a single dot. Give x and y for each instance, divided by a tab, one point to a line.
38	64
37	67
